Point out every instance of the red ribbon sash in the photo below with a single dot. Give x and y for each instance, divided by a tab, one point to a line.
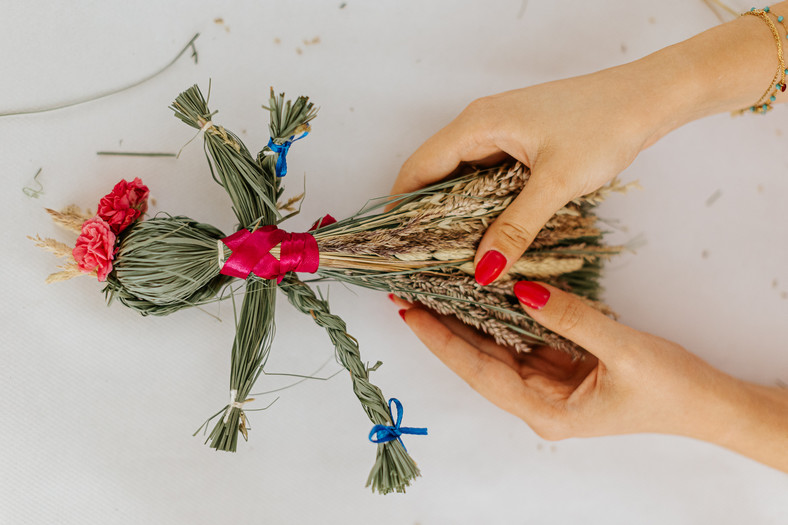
251	252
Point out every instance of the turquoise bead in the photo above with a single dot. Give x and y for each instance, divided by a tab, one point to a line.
778	86
766	9
752	108
780	18
772	98
752	9
765	106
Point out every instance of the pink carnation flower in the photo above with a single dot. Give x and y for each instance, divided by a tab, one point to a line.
95	248
126	202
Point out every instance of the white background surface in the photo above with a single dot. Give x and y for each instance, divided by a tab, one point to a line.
98	404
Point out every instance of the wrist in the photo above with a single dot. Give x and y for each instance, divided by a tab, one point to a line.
749	419
724	69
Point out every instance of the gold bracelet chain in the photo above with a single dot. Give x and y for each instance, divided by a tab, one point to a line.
764	103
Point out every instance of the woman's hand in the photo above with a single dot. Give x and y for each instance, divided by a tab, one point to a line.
630	382
578	133
574	134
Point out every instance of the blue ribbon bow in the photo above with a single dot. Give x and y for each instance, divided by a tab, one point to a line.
383	433
281	152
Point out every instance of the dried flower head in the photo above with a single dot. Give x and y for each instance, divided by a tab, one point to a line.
124	204
95	248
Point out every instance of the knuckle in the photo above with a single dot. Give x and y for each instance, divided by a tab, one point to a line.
479	120
648	352
556	185
628	361
514	234
480	106
570	317
408	168
634	353
483	114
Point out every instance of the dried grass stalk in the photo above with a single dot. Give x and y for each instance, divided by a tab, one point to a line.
69	271
71	217
423	251
53	246
492	309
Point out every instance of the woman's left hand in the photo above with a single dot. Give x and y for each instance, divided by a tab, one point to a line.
629	382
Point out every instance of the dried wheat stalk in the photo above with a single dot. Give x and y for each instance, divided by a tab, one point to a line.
71	217
423	251
68	270
491	309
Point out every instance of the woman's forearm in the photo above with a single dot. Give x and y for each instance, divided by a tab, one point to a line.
724	69
760	430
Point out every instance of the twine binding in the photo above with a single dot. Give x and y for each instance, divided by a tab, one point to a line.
235	404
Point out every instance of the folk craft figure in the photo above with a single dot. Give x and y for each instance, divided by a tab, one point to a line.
421	250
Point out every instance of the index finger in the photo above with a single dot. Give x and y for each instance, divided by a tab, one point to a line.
464	139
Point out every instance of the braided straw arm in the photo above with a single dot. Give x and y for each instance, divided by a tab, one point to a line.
394	468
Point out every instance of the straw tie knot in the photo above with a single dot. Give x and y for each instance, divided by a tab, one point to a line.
235	404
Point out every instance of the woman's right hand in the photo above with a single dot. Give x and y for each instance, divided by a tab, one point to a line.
575	135
578	133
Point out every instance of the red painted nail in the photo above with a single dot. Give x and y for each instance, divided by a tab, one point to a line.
402	313
490	267
391	297
531	294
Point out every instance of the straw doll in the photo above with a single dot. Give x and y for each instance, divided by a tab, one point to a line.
421	250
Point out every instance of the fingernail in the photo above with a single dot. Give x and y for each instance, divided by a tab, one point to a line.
490	267
402	313
391	297
531	294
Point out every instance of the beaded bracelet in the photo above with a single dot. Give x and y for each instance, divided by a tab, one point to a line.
764	103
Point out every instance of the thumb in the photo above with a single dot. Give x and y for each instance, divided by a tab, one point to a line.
516	227
567	315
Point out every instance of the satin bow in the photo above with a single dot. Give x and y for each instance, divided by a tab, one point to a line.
384	433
